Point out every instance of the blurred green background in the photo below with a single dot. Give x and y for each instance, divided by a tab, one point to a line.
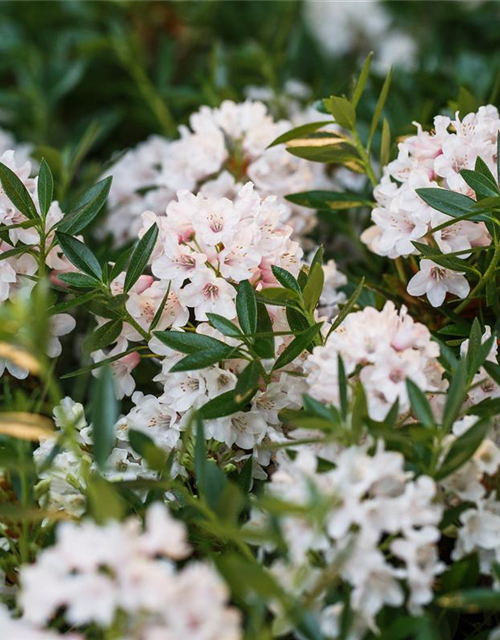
141	67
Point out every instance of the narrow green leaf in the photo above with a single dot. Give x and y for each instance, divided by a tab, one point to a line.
301	342
314	287
246	307
105	503
45	187
420	405
455	396
328	200
286	279
224	325
79	255
361	83
463	448
264	345
220	406
17	192
102	337
189	342
380	106
121	263
87	208
480	184
298	132
347	308
385	144
101	364
104	416
140	257
449	202
248	382
78	280
202	359
145	446
473	600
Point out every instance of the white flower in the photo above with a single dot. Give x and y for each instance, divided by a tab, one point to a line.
244	429
121	369
60	325
435	282
208	293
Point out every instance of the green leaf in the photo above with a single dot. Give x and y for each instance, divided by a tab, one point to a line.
224	325
220	406
455	396
493	370
380	106
102	363
301	342
342	110
87	208
472	600
443	259
105	503
246	307
248	382
17	192
45	187
361	83
202	359
327	148
385	144
482	168
77	301
342	387
420	405
347	308
449	202
140	257
298	132
210	480
463	448
286	279
278	296
145	446
102	337
79	255
120	264
104	416
480	184
79	280
314	286
264	345
189	342
330	200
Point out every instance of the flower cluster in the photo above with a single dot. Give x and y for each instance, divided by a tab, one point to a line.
348	512
119	574
220	150
401	217
382	348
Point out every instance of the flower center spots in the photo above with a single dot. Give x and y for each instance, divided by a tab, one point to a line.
210	291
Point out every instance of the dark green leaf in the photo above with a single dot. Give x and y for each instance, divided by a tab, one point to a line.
264	345
480	184
299	344
45	187
224	325
189	342
449	202
455	396
248	381
17	192
104	416
246	307
140	257
331	200
420	405
202	359
79	255
87	208
385	144
463	449
141	443
102	337
286	279
79	280
473	600
223	405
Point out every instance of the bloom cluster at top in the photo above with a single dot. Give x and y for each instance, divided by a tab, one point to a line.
351	509
401	217
118	573
343	27
388	346
221	149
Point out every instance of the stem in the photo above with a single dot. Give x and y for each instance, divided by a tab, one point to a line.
365	158
488	274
